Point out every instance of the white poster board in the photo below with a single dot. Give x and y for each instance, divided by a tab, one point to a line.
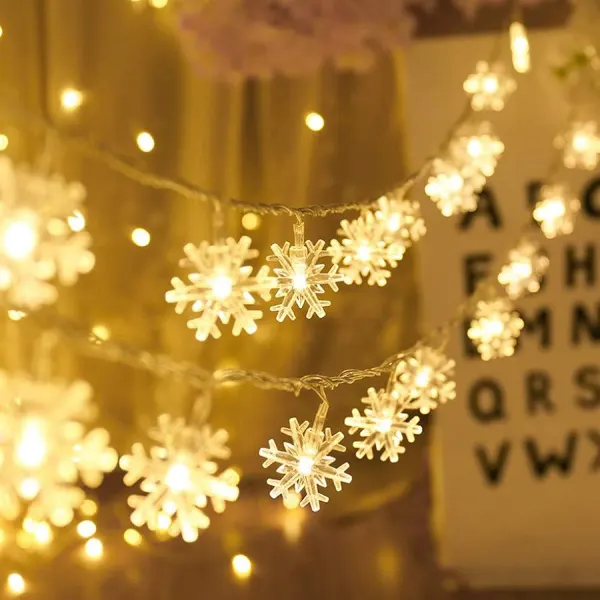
516	459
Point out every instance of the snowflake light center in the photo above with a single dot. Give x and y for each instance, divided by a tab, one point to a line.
384	425
363	252
493	327
581	142
222	285
474	148
422	377
305	465
19	239
32	449
523	269
178	478
490	84
299	281
394	222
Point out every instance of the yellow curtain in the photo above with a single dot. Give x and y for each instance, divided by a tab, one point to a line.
245	140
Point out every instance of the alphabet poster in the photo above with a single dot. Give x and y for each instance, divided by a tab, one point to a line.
516	457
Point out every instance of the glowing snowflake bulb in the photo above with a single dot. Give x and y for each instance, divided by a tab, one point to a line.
556	210
304	463
31	450
423	380
519	47
366	250
476	146
524	270
452	188
489	86
404	224
222	286
19	239
178	477
495	328
580	145
300	277
383	425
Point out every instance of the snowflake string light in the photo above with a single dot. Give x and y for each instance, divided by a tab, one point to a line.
221	287
45	447
41	235
304	463
404	224
179	476
476	145
301	278
383	426
519	47
495	328
453	188
524	270
426	377
556	210
580	145
489	87
364	252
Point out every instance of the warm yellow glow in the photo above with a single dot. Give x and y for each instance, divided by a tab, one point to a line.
492	327
89	508
159	3
16	315
94	549
490	84
32	449
305	465
178	478
76	221
299	281
251	221
552	209
422	377
3	142
519	46
132	537
222	286
394	221
314	121
29	488
523	269
474	147
242	566
1	31
163	522
86	529
581	142
384	426
140	237
71	99
145	141
363	253
15	584
19	240
102	332
235	474
42	532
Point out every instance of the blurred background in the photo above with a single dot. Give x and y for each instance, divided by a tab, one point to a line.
316	134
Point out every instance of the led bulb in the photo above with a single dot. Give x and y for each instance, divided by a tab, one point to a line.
363	252
299	281
519	46
178	478
31	450
29	488
94	549
242	566
422	377
140	237
132	537
145	141
305	465
86	529
314	121
15	584
222	287
71	99
19	240
76	221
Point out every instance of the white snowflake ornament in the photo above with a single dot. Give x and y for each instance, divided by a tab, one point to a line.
426	378
495	328
580	145
556	210
305	463
221	287
523	272
45	447
41	235
489	87
383	426
476	145
404	224
454	187
364	252
301	278
179	476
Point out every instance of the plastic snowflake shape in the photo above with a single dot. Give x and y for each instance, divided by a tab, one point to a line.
404	224
300	277
524	270
45	447
476	145
454	188
495	328
383	426
426	378
489	87
305	464
221	287
556	210
364	252
41	235
580	145
179	476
